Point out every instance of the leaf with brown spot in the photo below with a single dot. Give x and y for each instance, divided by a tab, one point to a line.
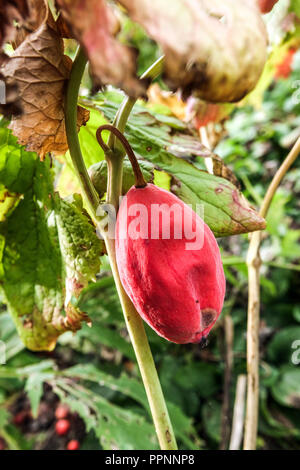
40	69
94	25
215	49
286	389
49	248
166	143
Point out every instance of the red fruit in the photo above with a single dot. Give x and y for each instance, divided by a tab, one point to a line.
73	445
179	292
62	426
266	5
62	411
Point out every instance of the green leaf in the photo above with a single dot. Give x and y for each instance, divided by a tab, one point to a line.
280	349
34	389
134	389
9	336
287	389
14	439
198	376
50	249
8	202
211	415
40	367
116	428
226	211
108	337
4	418
98	175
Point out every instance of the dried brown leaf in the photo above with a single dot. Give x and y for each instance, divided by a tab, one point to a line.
38	14
215	49
40	69
94	25
10	11
63	28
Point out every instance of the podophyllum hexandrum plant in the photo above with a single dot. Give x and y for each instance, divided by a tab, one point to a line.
214	52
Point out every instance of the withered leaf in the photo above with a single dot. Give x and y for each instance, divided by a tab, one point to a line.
10	11
63	28
29	14
95	26
38	14
215	49
40	69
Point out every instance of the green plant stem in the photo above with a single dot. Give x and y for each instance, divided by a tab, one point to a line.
134	323
126	107
254	263
87	186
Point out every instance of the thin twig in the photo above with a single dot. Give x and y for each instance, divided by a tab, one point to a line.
254	263
225	417
238	413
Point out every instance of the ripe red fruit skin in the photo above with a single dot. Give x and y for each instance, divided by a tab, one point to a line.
266	5
73	445
178	292
61	411
62	426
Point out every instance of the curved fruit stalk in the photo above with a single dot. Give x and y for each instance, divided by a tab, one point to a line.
175	282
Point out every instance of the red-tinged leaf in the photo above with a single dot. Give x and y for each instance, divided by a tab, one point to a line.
215	49
95	26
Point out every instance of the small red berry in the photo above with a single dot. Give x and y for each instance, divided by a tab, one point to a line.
20	417
62	411
62	426
73	445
